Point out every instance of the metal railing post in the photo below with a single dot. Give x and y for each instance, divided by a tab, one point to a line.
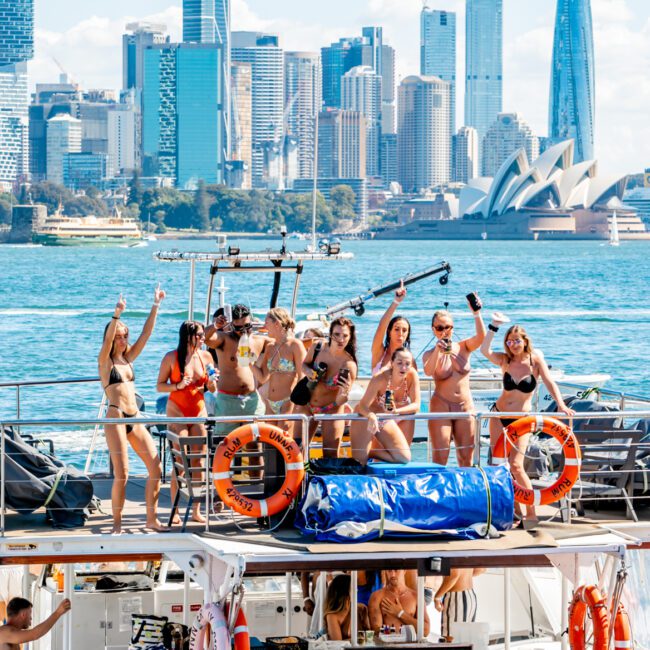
354	617
477	435
18	405
287	605
207	481
3	434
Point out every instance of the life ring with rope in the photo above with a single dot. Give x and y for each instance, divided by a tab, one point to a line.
210	629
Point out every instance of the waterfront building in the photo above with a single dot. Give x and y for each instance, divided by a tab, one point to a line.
141	35
465	153
341	144
388	90
423	135
484	64
361	92
388	158
572	96
508	133
438	50
182	120
64	134
302	97
122	145
266	58
639	199
238	168
16	48
83	170
325	185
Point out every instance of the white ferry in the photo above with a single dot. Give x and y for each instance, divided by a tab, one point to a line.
234	566
59	230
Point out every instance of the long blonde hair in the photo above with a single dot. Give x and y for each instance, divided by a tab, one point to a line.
281	315
517	329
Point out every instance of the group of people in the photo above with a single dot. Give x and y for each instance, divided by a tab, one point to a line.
249	374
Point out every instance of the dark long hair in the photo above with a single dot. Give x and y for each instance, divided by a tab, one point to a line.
188	329
113	342
391	324
338	595
351	347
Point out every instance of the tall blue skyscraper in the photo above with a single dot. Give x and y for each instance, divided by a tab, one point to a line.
484	63
182	113
571	110
438	50
16	48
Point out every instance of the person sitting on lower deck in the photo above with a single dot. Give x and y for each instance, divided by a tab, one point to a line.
395	390
337	610
395	604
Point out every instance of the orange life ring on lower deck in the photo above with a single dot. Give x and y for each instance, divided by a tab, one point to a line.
240	632
293	464
589	598
572	458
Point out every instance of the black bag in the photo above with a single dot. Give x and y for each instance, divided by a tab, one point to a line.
335	466
300	395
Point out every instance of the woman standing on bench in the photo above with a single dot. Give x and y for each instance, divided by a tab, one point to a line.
394	390
118	376
522	368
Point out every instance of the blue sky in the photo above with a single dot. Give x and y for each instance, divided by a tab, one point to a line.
84	36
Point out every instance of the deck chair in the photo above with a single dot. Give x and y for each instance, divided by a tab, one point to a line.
191	485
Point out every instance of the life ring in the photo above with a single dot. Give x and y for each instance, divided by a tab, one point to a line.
622	629
572	457
240	631
210	629
588	597
293	465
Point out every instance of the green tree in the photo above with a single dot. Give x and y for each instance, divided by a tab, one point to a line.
5	210
135	188
51	195
201	219
342	200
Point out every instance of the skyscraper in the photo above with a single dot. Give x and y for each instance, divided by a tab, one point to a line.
484	63
199	21
423	135
182	113
142	34
508	133
388	94
341	144
465	154
438	50
63	137
241	87
266	58
302	96
572	97
16	48
361	92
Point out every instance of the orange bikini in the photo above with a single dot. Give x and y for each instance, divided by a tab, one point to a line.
190	400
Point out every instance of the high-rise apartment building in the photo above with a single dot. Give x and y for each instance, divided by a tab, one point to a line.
388	158
199	21
121	138
266	58
572	97
484	64
438	50
182	113
63	137
141	35
508	133
361	92
16	48
423	135
302	96
388	92
341	144
465	154
241	92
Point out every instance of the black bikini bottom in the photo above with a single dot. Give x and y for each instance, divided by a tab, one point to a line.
129	427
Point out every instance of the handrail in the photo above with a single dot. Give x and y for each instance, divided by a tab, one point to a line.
48	382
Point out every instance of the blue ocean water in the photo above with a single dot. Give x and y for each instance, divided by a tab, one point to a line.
584	304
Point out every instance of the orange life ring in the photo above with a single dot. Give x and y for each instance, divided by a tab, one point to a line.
572	458
588	597
293	464
240	631
622	629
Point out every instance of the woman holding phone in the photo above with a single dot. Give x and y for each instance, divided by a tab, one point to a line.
448	363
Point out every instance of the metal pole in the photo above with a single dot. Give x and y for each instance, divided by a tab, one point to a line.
296	285
68	580
506	608
190	308
287	605
209	299
477	436
314	193
3	434
91	449
321	585
186	598
354	619
18	406
421	607
564	613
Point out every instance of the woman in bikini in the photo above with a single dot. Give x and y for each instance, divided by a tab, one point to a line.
183	374
281	363
449	365
396	390
337	610
330	394
118	376
522	368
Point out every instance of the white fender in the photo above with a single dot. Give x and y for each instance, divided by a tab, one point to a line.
210	629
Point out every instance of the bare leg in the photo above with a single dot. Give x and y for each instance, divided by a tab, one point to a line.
439	432
118	449
332	435
393	445
198	430
465	441
143	445
517	456
408	429
180	430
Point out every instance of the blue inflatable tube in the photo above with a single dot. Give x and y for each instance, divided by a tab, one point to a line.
464	503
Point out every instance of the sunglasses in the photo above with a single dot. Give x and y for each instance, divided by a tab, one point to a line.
200	335
242	328
443	328
512	342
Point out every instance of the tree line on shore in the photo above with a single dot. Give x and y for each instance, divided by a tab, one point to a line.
208	207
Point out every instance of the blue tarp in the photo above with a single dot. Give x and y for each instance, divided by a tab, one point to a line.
452	503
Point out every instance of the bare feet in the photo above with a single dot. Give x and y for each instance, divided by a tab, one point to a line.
197	516
176	521
156	527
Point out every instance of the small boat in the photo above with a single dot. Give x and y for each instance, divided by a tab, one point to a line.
613	230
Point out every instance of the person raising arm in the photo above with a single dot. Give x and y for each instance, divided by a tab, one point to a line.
17	629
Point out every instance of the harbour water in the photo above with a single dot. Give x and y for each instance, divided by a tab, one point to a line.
585	304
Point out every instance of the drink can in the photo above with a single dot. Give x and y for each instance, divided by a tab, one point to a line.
389	400
370	637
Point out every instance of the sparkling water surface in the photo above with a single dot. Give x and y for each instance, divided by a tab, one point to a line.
585	304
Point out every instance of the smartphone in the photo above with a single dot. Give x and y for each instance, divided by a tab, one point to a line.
344	373
227	312
474	301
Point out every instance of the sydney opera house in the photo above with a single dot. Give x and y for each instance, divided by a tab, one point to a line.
550	198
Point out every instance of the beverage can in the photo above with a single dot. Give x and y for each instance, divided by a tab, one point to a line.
389	400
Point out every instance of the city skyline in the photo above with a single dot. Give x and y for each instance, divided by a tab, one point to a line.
83	38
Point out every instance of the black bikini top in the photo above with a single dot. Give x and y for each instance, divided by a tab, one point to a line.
526	385
116	378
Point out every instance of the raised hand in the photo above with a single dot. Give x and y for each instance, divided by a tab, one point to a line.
158	294
121	305
400	293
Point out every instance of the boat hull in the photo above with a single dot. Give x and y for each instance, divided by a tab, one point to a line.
90	240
